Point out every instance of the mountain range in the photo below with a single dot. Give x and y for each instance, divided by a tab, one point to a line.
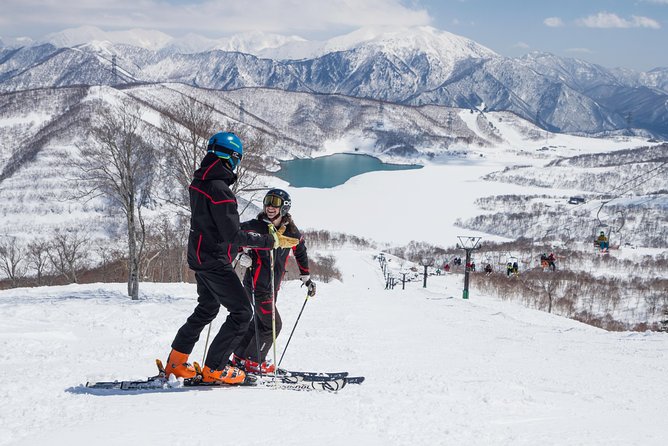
407	66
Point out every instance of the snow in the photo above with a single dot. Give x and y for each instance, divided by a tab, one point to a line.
399	206
439	369
150	39
441	44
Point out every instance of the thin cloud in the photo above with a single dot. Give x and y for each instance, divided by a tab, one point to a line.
212	17
553	22
522	45
579	50
610	20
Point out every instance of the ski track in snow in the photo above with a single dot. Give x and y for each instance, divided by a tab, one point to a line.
440	370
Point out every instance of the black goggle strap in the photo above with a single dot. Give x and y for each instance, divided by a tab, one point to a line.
224	152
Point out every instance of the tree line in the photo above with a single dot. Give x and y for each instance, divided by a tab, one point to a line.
119	161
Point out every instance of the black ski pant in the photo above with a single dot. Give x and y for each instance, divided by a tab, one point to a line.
248	347
217	287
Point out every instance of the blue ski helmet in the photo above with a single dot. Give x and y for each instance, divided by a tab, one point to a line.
278	198
227	146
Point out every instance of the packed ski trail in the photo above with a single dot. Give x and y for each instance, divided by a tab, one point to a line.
439	369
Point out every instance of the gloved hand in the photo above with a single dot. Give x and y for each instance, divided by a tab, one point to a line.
280	240
306	280
245	260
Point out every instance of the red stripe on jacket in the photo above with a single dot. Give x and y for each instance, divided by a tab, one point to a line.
211	198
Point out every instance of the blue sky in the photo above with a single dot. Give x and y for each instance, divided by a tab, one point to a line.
614	33
625	33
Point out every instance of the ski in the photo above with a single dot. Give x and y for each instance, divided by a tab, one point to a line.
295	380
161	383
331	375
321	376
152	383
298	383
354	379
309	377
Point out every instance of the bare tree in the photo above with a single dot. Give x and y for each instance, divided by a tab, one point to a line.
68	253
11	259
186	129
166	247
254	161
38	259
119	165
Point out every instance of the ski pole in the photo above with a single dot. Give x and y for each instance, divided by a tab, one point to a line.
206	344
255	323
273	306
293	331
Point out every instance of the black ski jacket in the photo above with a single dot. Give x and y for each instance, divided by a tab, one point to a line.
215	233
258	274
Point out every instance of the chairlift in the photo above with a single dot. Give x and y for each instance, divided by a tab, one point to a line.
608	225
601	233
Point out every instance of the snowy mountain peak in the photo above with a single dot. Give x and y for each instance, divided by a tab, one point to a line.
256	42
15	42
397	40
391	40
149	39
425	38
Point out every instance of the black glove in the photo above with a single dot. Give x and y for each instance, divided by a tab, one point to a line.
310	285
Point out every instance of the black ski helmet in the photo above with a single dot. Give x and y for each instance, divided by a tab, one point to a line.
278	198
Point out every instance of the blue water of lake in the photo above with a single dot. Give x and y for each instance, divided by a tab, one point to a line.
332	170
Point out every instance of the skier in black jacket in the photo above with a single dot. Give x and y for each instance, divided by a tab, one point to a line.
257	279
215	238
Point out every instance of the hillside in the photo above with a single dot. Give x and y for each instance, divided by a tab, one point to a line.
490	174
410	66
439	370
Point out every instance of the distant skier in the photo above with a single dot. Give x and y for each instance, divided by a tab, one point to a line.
602	241
257	279
509	269
551	259
543	261
488	269
214	240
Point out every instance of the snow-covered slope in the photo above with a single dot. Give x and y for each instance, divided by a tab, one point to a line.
39	131
439	369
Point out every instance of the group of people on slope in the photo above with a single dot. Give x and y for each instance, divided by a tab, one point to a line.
512	268
216	239
548	261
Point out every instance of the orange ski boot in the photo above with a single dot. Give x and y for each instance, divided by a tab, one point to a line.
229	375
177	365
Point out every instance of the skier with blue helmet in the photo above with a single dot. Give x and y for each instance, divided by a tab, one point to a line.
214	240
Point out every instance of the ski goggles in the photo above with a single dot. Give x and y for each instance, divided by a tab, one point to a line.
227	154
273	200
